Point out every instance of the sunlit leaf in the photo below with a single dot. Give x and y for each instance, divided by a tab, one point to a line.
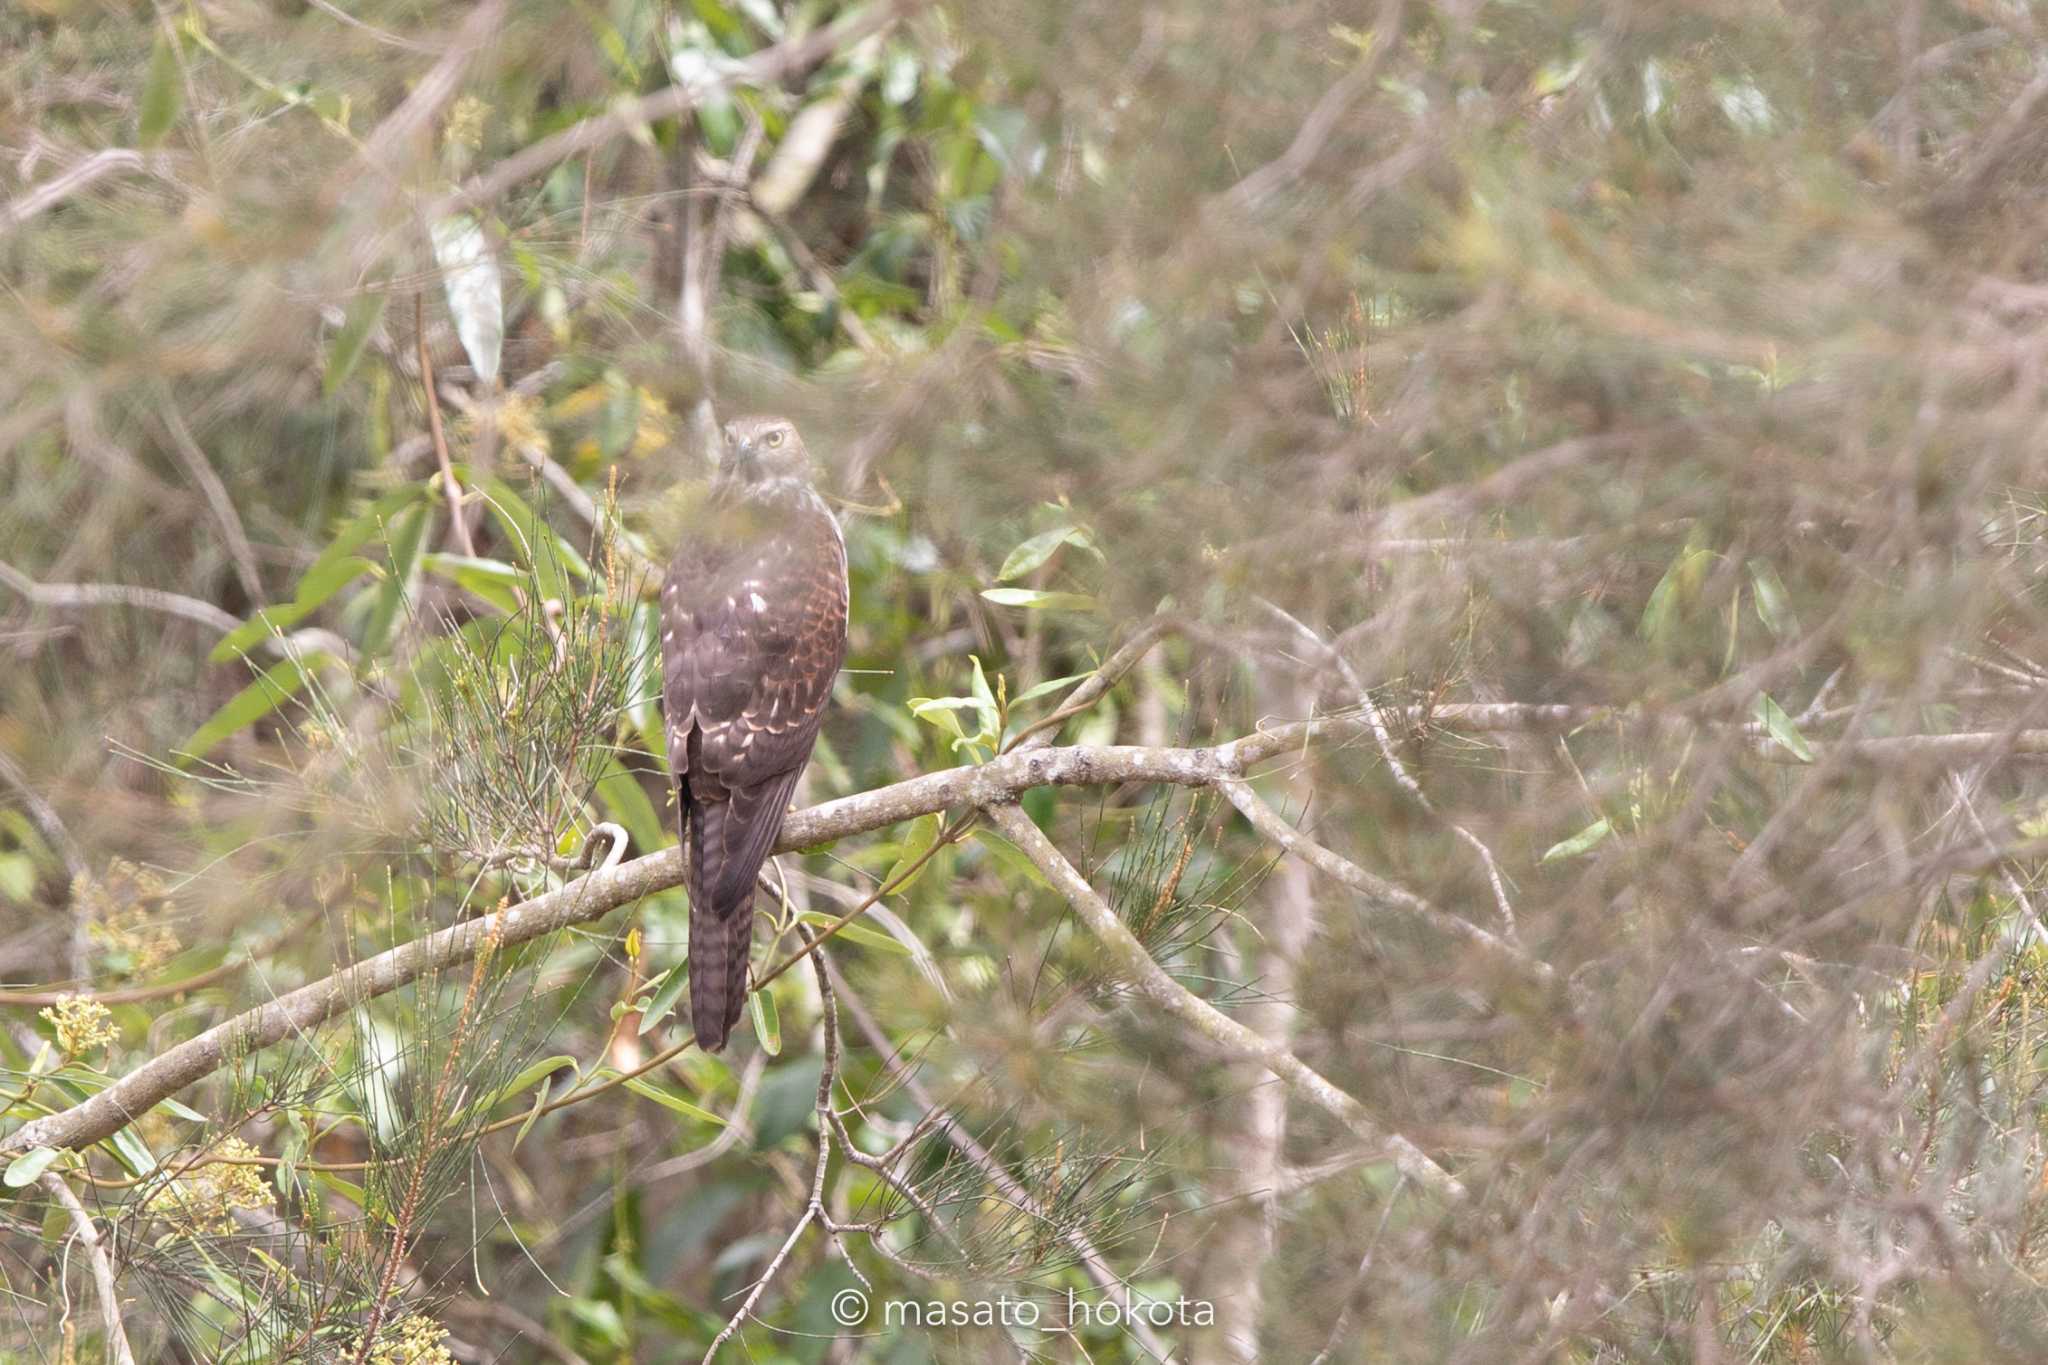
28	1168
469	275
1041	601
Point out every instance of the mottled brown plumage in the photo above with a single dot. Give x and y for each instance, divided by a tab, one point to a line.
753	630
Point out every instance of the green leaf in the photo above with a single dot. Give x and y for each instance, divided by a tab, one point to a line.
1678	585
625	800
665	998
921	707
648	1090
495	581
129	1149
1011	856
184	1111
922	839
1038	549
1053	685
540	1102
1034	600
1780	728
17	877
535	541
1773	603
405	542
858	933
1582	842
364	312
767	1021
28	1168
321	582
532	1075
337	567
163	95
277	684
347	1189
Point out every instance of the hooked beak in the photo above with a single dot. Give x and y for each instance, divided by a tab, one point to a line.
743	459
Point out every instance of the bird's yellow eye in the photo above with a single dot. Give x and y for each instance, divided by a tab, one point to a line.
774	439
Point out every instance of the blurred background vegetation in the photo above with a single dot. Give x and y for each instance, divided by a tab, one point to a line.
1623	418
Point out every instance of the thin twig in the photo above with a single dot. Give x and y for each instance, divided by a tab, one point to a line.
102	1267
92	169
1138	967
449	486
74	595
45	817
763	68
202	473
1402	777
814	1209
1091	1259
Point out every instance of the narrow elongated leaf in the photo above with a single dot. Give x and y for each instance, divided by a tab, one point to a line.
337	567
664	1001
1673	590
767	1022
1010	856
554	560
1773	603
648	1090
625	801
922	839
1780	728
163	95
476	299
320	583
1051	685
1582	842
857	932
277	685
1034	552
1034	600
358	322
405	542
495	581
532	1075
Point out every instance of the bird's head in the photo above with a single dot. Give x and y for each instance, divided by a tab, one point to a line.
763	451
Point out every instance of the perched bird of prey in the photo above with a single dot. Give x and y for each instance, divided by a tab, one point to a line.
753	630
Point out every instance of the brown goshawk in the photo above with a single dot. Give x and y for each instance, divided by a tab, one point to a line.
753	630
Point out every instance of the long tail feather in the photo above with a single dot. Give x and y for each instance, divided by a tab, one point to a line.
729	840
